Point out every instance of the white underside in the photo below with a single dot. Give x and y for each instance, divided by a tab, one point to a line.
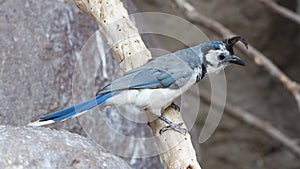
154	99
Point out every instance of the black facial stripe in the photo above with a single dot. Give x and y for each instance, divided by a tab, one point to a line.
206	62
204	71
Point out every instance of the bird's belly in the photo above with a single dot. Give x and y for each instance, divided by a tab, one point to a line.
157	98
145	97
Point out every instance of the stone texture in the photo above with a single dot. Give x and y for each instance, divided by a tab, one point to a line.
43	44
45	148
39	42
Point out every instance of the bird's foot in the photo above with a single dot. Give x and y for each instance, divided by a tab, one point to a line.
175	106
172	126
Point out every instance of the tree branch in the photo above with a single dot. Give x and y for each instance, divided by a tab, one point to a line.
176	150
248	118
281	10
259	58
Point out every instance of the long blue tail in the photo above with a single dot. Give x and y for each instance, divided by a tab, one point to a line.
72	111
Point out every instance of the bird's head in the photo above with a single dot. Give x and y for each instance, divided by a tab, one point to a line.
218	54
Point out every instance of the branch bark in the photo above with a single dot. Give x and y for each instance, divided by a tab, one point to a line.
259	58
281	10
123	38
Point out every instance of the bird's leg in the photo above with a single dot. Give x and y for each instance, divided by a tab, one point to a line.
175	106
172	126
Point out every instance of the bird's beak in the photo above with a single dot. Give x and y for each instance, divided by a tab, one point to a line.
236	60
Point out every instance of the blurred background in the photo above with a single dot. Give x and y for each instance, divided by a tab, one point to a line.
41	41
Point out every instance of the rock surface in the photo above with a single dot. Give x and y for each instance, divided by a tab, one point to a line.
39	42
24	147
42	46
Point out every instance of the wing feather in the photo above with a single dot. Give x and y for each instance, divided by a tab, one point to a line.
174	73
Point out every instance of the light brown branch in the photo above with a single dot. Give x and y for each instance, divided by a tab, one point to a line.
259	58
248	118
281	10
123	38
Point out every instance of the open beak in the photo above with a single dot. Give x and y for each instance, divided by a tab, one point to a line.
236	60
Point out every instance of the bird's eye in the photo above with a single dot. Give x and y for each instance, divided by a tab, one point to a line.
221	57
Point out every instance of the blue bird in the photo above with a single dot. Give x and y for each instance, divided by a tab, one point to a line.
155	85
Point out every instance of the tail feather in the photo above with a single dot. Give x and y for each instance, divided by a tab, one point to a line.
71	111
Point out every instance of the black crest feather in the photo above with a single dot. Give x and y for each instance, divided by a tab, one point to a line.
230	42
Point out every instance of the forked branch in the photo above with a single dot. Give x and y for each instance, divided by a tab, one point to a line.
259	58
285	12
